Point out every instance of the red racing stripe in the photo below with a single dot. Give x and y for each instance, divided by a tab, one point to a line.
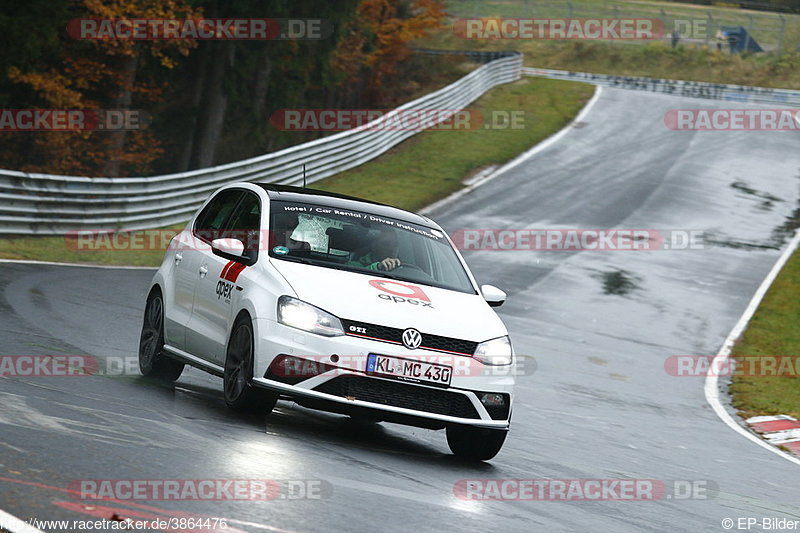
233	273
225	270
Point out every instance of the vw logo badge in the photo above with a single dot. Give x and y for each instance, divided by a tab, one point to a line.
412	339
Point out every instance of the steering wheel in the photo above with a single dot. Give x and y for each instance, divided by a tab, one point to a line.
412	267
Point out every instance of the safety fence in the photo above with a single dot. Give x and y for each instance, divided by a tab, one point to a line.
696	89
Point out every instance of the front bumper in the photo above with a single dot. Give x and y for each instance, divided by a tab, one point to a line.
375	397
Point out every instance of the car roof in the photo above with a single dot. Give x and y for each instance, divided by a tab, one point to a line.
287	193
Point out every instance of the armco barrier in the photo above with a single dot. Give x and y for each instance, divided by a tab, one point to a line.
52	205
696	89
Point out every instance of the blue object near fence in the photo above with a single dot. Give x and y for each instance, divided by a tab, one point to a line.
739	40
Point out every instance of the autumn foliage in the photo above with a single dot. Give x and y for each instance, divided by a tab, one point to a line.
210	100
376	41
103	74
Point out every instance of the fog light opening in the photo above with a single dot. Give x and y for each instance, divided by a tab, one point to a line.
490	399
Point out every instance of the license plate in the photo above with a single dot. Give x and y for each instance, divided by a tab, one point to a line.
408	370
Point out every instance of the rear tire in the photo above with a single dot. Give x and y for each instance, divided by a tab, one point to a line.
475	444
153	363
240	394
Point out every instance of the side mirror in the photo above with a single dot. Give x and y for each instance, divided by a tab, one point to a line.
230	249
493	296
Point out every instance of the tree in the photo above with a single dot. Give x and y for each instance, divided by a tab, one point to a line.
377	40
104	74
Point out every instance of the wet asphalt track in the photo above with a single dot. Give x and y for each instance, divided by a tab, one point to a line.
600	325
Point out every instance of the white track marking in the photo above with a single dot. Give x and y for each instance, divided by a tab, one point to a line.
13	524
712	380
524	156
55	263
9	446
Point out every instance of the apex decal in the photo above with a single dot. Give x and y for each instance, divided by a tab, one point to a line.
224	290
401	292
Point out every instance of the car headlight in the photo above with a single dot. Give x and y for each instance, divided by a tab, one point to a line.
496	352
298	314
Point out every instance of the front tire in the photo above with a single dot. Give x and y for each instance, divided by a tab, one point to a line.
152	361
475	444
240	394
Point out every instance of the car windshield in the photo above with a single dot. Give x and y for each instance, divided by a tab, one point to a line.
343	239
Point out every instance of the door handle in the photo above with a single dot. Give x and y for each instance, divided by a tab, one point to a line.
178	258
203	271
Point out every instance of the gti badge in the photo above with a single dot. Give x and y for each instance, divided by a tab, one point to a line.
412	339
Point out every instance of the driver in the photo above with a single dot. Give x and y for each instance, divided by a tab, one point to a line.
382	254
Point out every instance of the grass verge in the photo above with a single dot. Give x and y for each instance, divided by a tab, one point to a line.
419	171
137	248
655	60
431	165
773	331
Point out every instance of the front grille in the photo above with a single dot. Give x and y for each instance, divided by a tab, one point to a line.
381	333
402	395
395	336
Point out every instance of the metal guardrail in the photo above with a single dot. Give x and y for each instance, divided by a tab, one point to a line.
696	89
47	204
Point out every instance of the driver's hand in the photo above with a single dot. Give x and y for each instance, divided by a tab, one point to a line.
390	263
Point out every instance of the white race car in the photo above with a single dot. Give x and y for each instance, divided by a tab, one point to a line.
338	304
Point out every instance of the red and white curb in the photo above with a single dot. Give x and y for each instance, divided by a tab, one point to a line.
780	430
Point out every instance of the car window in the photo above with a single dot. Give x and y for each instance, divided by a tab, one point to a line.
361	242
245	223
211	221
